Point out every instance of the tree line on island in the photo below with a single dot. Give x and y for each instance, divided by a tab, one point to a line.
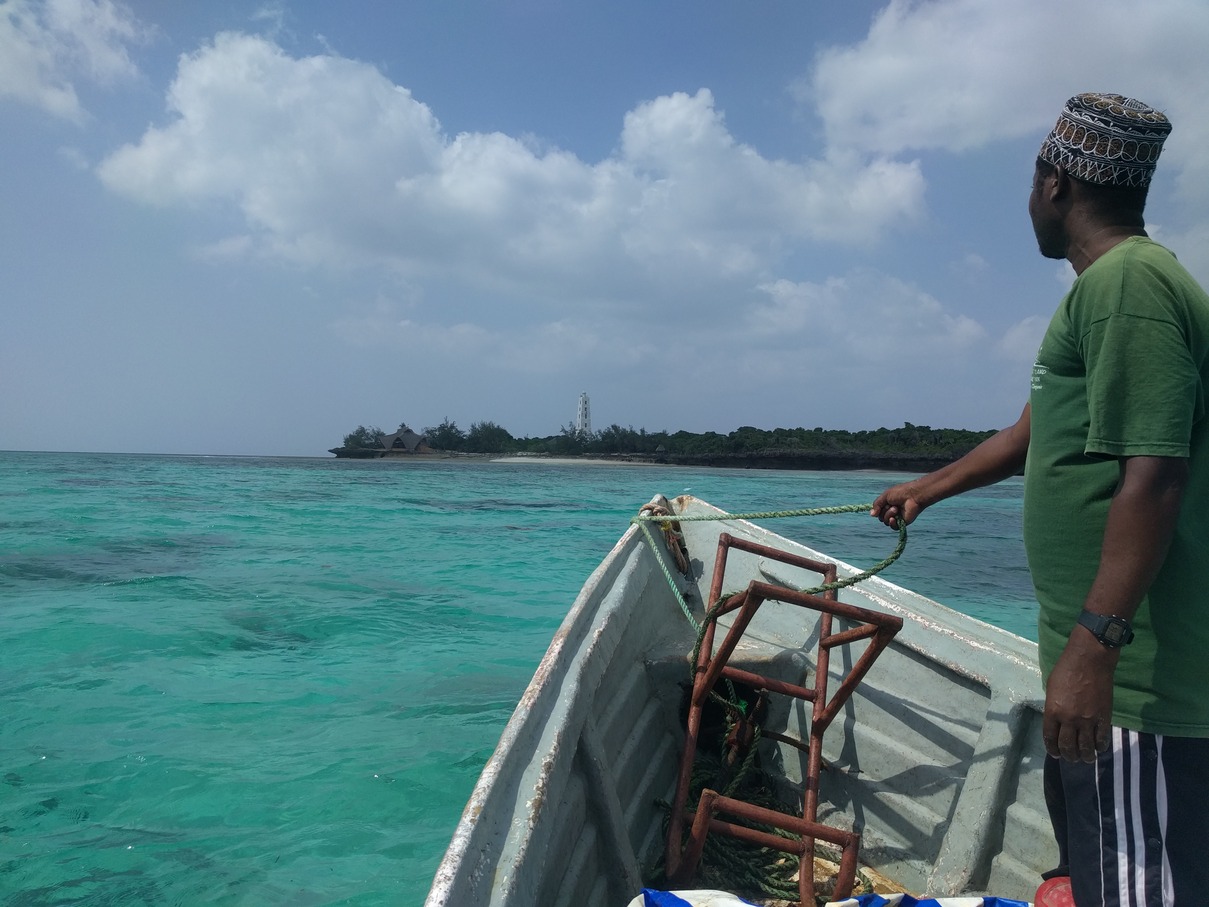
909	447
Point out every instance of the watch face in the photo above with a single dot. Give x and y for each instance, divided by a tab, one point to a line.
1111	631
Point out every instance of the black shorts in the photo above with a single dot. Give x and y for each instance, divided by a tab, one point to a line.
1133	827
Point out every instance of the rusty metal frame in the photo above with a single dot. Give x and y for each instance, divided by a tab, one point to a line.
680	860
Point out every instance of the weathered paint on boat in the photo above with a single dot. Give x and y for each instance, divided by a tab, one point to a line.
936	762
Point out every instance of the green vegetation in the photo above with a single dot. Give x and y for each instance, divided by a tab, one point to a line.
446	436
487	437
364	437
745	446
748	442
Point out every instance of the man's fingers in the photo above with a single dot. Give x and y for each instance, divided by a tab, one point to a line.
1075	741
1088	743
1049	735
1068	743
1051	746
888	514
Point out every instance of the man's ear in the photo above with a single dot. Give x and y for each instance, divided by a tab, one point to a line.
1062	183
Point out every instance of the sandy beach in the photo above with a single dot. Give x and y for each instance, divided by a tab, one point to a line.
576	461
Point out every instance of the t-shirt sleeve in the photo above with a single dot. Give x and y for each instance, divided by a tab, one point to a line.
1143	386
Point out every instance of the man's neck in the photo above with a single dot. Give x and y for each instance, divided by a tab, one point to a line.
1086	248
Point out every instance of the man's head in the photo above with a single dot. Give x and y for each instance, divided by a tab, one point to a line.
1107	140
1094	169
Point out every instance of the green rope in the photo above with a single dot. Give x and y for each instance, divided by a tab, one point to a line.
667	573
750	870
761	515
643	519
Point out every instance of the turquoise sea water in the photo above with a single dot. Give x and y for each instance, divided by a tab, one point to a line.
275	681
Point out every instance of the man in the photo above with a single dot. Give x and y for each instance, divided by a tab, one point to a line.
1115	447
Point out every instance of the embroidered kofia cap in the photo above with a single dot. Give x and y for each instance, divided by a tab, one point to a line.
1107	139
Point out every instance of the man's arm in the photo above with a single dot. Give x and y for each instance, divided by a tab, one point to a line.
996	458
1137	535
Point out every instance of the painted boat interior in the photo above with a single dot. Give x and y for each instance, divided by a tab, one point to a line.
936	759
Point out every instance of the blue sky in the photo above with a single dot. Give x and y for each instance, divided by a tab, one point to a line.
239	228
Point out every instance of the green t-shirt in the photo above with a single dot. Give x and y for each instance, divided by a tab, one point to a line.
1123	371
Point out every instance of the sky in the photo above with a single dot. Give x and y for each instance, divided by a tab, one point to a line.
242	228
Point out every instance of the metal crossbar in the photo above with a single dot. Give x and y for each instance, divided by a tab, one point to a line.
680	859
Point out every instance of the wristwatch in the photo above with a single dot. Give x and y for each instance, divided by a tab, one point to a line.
1113	632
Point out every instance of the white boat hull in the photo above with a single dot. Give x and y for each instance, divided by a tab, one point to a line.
936	760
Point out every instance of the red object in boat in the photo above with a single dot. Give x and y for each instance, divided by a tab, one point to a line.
1054	892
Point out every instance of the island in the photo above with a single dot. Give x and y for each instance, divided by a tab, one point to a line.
910	448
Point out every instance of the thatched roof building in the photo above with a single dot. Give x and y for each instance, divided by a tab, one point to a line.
406	440
402	443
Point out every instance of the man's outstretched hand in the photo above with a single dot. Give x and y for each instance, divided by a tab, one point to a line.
899	503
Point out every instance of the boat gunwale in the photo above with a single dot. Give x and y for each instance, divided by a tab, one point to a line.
927	623
457	855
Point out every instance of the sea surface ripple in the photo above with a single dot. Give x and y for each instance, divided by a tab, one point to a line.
275	681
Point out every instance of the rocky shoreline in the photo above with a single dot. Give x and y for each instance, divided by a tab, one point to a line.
809	462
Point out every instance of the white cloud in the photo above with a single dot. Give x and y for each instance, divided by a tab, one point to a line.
957	74
1192	249
547	348
1064	275
46	47
273	17
864	316
74	157
859	350
528	260
971	264
1022	340
229	248
299	145
867	319
329	162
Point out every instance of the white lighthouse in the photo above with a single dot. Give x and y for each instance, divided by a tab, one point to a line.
583	416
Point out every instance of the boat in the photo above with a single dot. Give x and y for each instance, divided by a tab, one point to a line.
932	762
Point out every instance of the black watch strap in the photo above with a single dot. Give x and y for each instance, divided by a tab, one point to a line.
1112	632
